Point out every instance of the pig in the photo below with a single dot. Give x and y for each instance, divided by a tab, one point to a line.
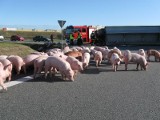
119	51
4	74
39	64
52	53
136	58
9	65
115	61
29	61
153	52
63	56
60	64
85	49
98	48
105	54
97	56
92	47
3	56
86	59
55	50
76	54
115	51
75	64
76	48
66	49
142	52
104	51
17	62
92	53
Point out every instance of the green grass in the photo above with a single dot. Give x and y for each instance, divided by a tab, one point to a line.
29	34
22	50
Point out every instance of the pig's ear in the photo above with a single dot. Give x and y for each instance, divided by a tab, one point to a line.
5	67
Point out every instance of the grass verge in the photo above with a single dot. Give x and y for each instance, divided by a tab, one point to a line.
22	50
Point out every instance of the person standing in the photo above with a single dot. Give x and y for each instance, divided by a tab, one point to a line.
71	39
79	39
51	37
93	38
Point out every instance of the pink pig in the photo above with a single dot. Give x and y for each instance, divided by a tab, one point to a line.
97	55
66	49
115	61
29	60
3	56
98	58
136	58
86	59
17	62
5	63
39	64
142	52
105	54
75	64
60	64
4	74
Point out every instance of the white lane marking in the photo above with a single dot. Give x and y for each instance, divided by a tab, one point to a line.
18	81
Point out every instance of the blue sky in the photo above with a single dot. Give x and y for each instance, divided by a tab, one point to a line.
79	12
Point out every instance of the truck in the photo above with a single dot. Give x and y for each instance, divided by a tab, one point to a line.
84	30
118	35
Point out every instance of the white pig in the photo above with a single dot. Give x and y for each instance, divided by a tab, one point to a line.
4	74
75	64
5	63
142	52
60	64
115	61
3	56
29	60
98	58
39	64
86	59
136	58
17	62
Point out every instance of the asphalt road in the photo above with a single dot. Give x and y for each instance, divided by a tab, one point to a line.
96	94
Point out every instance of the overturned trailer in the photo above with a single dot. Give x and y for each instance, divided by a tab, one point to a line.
129	35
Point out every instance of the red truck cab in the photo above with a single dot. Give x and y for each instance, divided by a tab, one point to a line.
85	32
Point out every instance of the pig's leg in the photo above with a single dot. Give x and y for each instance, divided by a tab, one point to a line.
126	66
137	66
24	69
2	84
45	72
116	67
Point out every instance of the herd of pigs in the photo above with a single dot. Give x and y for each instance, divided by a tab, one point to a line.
70	60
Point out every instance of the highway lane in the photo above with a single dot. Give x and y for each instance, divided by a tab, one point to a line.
96	94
